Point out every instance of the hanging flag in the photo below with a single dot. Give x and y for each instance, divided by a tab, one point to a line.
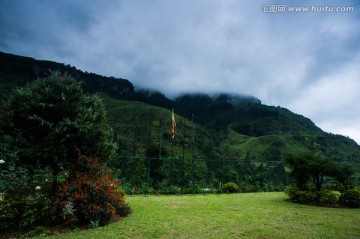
173	124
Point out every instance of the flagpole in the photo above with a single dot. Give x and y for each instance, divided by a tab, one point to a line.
161	125
173	132
171	165
148	158
134	153
183	154
193	153
183	139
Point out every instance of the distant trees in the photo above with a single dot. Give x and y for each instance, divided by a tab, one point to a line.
156	167
310	170
312	167
153	98
21	70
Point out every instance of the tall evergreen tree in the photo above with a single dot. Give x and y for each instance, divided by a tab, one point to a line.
48	120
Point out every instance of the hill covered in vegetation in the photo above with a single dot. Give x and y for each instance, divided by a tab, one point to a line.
224	129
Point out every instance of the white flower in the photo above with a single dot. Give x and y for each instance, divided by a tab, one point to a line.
2	161
38	188
46	180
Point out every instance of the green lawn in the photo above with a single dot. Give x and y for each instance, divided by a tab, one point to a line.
251	215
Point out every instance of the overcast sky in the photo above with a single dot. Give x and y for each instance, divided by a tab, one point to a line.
308	62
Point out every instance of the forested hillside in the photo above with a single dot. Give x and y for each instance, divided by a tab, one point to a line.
238	137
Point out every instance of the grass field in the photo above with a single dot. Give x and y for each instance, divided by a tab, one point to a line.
252	215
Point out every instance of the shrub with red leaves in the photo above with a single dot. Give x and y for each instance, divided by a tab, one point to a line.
90	195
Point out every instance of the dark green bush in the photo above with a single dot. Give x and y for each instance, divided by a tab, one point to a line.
307	197
291	191
230	187
328	197
300	196
26	201
7	215
350	198
323	197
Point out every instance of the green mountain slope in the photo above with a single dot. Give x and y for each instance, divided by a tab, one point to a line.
233	138
227	155
138	125
226	126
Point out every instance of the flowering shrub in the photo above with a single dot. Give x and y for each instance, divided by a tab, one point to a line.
26	199
41	178
90	195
